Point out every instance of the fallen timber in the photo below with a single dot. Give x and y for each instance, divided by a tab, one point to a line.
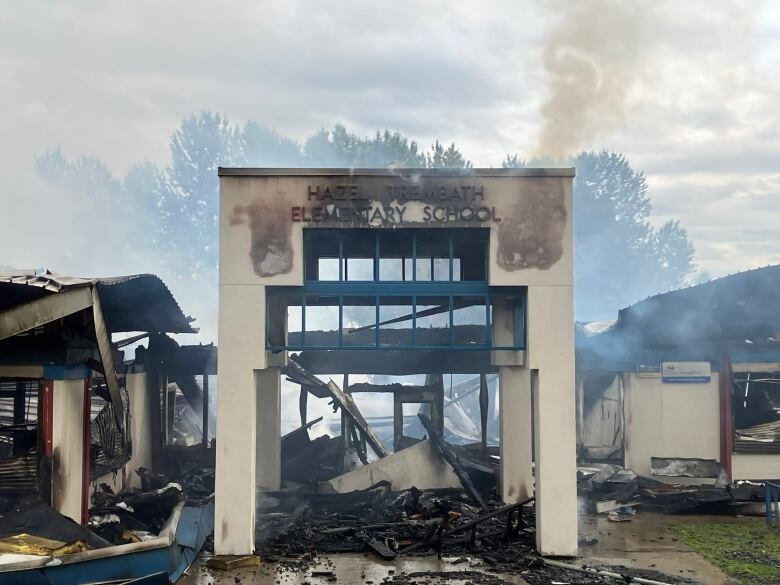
451	457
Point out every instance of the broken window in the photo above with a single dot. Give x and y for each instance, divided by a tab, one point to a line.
18	417
367	255
491	320
756	410
395	255
469	320
359	252
359	317
410	289
395	324
110	446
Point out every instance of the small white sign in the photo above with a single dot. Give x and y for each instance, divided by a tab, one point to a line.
686	372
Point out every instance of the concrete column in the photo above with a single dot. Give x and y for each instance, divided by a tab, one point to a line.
241	353
68	447
551	359
269	428
140	423
514	397
556	465
234	503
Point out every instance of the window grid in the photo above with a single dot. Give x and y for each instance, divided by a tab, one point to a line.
377	257
417	291
417	300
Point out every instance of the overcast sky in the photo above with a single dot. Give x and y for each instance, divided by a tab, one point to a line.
698	109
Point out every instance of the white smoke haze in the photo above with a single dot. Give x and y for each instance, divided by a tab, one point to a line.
688	91
593	57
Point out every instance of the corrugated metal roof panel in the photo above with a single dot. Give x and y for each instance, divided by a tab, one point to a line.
139	302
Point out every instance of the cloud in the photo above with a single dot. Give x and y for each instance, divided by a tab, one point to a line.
699	111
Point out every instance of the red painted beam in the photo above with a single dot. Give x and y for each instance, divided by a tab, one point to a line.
726	415
87	437
47	417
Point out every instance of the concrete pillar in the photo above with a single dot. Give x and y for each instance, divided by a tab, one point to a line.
234	504
556	465
241	354
140	423
514	397
269	428
68	448
551	358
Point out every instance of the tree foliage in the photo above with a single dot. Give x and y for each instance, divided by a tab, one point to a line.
178	206
619	257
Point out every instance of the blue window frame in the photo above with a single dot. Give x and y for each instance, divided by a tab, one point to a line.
394	289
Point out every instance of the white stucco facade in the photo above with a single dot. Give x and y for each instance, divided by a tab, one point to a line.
670	420
68	447
530	245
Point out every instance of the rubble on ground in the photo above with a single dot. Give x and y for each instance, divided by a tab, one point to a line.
490	544
391	523
611	488
133	515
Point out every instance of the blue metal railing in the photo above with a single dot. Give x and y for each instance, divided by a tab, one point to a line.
772	504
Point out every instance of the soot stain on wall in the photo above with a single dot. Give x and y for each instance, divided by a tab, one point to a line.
270	249
531	232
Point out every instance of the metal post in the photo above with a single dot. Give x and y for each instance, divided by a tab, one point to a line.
206	410
19	417
483	407
725	379
303	402
86	440
45	438
170	414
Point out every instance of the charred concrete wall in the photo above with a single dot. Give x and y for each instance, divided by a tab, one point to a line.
68	448
262	217
528	212
669	420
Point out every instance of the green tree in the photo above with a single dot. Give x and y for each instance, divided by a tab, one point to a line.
190	205
176	208
264	147
446	158
339	147
619	258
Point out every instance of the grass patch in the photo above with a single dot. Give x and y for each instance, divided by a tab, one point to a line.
748	552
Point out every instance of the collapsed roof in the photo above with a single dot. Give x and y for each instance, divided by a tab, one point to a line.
29	300
704	318
139	302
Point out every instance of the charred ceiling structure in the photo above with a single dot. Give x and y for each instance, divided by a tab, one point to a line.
73	412
693	373
332	273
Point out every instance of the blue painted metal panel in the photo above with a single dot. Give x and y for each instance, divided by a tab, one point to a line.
395	288
196	523
115	568
58	372
156	579
756	355
147	567
772	503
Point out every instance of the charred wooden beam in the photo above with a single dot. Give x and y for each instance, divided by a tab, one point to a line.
394	388
483	407
299	375
452	458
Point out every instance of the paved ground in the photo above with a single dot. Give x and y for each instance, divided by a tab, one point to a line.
643	543
646	542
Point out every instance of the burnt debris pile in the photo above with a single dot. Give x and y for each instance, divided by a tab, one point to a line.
689	485
488	545
133	515
389	524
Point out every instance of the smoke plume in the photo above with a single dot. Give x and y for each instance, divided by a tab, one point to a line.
592	58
